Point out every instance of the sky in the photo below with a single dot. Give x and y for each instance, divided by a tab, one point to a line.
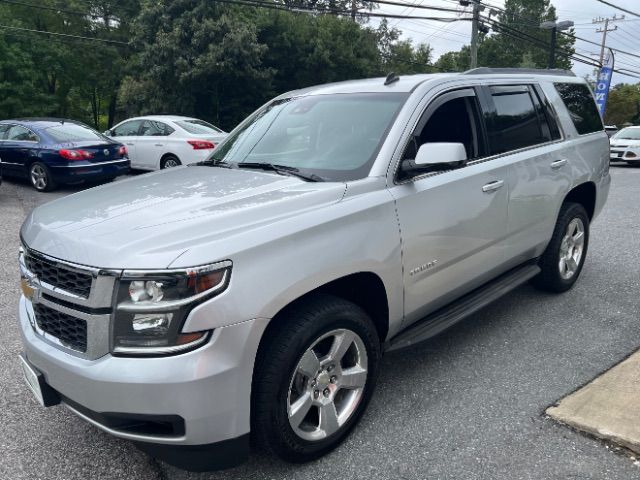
445	37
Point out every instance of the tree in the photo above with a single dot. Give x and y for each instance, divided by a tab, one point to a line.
623	105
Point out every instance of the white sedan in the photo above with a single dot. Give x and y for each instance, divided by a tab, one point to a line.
163	141
625	146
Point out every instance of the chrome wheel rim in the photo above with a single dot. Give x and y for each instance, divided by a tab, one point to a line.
571	249
38	177
327	385
171	162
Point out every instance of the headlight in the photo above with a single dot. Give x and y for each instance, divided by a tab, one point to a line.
151	307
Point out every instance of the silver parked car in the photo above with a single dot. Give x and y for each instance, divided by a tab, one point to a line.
255	293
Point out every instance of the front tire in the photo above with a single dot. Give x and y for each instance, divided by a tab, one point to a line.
313	378
41	178
562	261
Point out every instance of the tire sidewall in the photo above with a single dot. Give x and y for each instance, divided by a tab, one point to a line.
50	182
163	164
286	442
567	214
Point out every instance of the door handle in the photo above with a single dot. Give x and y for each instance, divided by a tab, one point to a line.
159	144
559	163
129	143
492	186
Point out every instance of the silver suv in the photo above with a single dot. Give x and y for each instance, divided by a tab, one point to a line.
255	292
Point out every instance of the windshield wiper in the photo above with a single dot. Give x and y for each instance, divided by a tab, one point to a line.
282	170
211	163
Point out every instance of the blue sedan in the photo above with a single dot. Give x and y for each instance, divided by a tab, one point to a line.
50	152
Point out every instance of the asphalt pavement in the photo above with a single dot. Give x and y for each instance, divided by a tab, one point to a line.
468	404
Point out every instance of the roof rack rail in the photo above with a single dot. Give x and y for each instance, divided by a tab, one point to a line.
535	71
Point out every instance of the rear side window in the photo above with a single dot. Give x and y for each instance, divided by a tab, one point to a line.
20	134
515	122
581	106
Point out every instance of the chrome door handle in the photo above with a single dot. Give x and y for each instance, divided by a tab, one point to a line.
129	143
492	186
558	163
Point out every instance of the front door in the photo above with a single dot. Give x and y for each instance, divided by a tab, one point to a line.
127	134
453	223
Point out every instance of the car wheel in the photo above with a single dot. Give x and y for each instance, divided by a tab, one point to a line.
313	378
562	261
170	161
40	177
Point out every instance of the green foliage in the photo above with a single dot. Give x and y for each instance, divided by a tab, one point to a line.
623	105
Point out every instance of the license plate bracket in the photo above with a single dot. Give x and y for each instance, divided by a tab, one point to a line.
44	394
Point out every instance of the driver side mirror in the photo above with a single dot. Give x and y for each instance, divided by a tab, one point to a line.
108	133
433	157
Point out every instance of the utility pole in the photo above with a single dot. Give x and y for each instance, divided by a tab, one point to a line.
604	31
353	10
474	33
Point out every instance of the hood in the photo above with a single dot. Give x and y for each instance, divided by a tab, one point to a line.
150	220
625	142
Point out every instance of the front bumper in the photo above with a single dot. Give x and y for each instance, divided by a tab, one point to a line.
624	155
208	388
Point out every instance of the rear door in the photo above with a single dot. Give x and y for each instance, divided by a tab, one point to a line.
128	133
523	130
453	223
152	143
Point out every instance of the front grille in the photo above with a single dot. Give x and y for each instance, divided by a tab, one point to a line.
71	331
57	275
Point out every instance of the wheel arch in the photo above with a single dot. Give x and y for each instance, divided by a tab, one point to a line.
168	154
585	195
365	289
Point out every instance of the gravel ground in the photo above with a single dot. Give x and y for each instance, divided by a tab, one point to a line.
466	405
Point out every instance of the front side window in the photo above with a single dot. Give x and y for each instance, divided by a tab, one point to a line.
3	131
581	106
455	121
127	129
72	132
334	136
18	133
514	123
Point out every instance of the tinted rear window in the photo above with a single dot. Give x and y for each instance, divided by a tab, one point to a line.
198	127
515	123
582	107
72	132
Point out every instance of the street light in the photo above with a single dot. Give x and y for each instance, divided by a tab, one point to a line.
554	27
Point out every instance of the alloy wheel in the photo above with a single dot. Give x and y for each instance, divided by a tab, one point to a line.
38	177
171	162
571	249
327	385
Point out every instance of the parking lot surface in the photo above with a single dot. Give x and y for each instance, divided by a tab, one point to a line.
468	404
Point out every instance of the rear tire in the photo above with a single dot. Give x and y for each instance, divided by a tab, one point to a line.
170	161
41	178
562	261
313	378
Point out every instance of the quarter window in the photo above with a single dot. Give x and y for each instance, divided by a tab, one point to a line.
514	123
582	107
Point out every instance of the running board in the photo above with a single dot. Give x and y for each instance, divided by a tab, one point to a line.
470	303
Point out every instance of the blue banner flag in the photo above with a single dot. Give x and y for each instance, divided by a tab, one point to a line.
603	83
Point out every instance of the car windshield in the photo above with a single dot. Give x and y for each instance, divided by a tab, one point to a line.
628	134
198	126
72	132
334	136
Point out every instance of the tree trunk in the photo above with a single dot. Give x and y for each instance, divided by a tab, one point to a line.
112	109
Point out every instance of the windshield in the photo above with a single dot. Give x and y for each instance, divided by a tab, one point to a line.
198	127
628	134
333	136
72	132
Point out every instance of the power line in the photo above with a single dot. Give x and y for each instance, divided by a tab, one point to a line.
66	35
619	8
